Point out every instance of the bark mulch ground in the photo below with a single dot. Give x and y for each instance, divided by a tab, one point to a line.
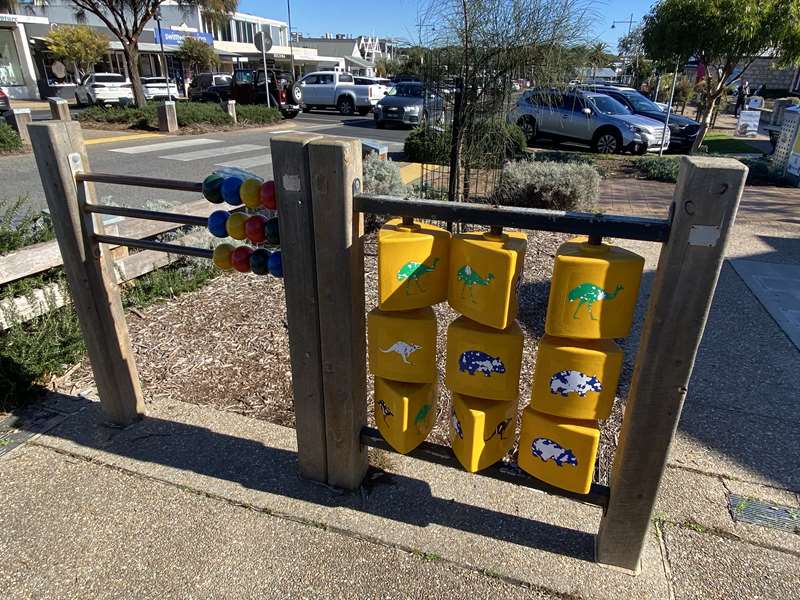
226	345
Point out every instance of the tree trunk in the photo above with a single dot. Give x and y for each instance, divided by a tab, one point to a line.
131	53
705	123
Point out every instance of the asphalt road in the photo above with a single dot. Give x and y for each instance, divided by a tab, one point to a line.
189	157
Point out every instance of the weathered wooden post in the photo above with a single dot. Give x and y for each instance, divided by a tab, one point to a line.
230	108
335	177
705	202
59	149
167	117
298	250
19	119
59	109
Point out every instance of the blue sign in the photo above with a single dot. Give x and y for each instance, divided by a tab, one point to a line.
175	37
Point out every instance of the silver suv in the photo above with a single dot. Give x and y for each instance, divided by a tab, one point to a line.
587	117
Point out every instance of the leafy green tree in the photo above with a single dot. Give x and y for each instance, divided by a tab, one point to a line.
197	54
126	19
80	46
721	35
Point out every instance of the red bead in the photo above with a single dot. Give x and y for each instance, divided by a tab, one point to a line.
254	229
268	195
240	259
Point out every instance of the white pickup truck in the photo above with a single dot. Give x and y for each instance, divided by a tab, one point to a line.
347	93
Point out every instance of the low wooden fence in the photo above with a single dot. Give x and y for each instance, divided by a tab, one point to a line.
321	207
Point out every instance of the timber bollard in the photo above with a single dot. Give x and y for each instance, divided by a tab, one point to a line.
59	109
19	119
167	117
230	108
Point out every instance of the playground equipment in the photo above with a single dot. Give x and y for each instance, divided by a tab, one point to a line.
318	189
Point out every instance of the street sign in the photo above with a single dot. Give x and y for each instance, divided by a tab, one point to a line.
263	40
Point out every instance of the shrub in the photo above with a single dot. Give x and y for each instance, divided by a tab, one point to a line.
428	145
9	139
550	185
201	113
20	228
257	114
382	177
487	143
136	118
188	113
658	168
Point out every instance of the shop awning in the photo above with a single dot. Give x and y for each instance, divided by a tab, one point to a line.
359	62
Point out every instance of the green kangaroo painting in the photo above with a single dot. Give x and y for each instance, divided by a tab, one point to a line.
413	271
588	294
470	278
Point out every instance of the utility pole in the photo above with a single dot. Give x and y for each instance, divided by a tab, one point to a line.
291	47
157	17
630	23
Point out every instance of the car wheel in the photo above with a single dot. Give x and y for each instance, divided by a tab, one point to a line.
607	142
290	114
364	111
297	94
346	106
528	126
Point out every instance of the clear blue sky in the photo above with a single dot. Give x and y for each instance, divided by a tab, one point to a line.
397	18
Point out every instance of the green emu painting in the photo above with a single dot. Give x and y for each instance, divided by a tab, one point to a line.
413	271
587	294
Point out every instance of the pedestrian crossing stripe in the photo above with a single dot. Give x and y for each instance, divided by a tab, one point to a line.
214	152
248	163
141	149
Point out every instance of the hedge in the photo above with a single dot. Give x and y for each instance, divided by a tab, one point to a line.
549	185
188	113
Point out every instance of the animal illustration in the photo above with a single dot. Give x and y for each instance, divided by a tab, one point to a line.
500	430
422	416
472	361
547	449
456	425
387	412
565	382
588	294
470	278
403	349
413	271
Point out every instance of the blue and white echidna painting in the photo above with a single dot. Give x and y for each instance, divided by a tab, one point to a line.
547	449
564	382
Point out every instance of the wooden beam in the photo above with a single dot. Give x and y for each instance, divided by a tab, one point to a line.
705	203
59	150
335	176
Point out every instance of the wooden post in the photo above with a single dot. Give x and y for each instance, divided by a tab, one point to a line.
59	109
705	202
230	108
298	252
59	150
335	176
167	117
19	119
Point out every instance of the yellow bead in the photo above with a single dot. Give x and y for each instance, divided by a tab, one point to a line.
222	256
250	193
576	379
235	225
485	274
593	292
481	431
402	344
482	361
405	412
412	265
561	452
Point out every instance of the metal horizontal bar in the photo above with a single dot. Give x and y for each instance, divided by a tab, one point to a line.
151	245
443	455
141	213
618	226
135	180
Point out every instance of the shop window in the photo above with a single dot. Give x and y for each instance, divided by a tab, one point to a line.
10	68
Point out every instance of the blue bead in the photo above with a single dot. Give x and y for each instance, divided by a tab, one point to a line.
216	223
230	190
276	264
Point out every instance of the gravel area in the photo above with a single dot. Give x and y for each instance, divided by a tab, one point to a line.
226	345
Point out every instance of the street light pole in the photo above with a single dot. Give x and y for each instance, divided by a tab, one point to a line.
157	17
630	23
291	46
669	109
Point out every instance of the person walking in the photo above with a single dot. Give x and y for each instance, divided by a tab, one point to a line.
743	91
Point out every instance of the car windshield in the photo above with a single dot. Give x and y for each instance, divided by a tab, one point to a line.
608	106
108	78
641	103
154	80
406	90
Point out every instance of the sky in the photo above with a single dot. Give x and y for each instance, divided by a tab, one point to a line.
398	18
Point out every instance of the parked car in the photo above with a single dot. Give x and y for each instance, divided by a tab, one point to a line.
155	88
247	87
589	118
104	88
210	87
683	130
408	103
5	101
382	86
333	89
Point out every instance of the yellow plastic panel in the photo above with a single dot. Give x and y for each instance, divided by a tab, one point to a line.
561	452
593	291
485	273
404	412
402	345
412	265
481	431
576	379
482	361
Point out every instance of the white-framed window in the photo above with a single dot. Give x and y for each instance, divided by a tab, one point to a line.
10	67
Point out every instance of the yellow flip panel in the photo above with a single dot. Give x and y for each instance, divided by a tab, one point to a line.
576	379
593	291
412	265
481	431
404	412
402	344
561	452
482	361
485	274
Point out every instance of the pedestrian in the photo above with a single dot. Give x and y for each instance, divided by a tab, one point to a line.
743	91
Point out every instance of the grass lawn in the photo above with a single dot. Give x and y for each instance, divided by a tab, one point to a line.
724	143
